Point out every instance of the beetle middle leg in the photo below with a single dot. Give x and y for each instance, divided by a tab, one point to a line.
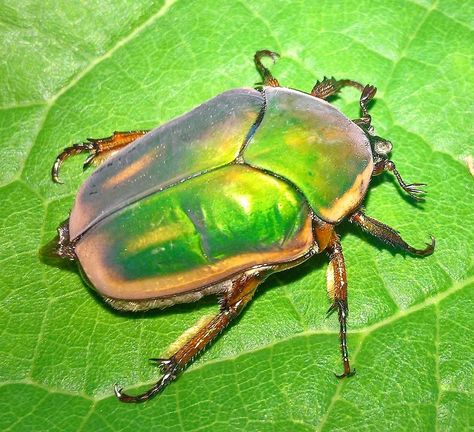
337	289
98	148
231	304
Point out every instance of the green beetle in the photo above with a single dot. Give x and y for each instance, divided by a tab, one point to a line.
250	183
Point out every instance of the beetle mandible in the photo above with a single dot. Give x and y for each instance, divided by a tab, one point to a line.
250	183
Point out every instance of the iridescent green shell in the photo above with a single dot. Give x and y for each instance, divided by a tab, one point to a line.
196	234
209	136
233	185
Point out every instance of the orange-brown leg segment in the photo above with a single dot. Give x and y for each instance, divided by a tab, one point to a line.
231	304
388	235
337	289
267	77
99	149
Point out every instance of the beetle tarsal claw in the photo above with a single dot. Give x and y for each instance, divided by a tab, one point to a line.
89	160
71	151
345	375
272	54
414	190
428	250
368	93
331	310
123	397
337	305
118	391
151	392
163	363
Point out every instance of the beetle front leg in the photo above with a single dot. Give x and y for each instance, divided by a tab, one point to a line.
412	189
388	235
99	149
231	305
337	290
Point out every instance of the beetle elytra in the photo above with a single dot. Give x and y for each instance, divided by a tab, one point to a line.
251	182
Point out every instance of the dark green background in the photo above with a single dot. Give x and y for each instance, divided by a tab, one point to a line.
70	70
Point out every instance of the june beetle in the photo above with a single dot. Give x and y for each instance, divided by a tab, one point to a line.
251	182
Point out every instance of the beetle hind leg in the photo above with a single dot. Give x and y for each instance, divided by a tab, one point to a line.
231	304
65	247
337	290
99	149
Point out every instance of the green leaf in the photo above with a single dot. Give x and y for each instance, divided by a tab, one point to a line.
71	70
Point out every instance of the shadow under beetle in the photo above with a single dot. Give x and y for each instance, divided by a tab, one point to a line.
252	182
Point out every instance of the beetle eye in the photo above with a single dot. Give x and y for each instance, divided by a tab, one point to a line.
383	147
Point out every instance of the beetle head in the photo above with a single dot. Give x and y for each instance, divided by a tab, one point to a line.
381	147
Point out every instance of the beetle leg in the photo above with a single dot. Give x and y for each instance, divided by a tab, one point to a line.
267	77
367	95
98	148
388	235
330	86
411	189
231	304
337	289
65	248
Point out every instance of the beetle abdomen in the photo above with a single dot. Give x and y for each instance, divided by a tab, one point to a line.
316	147
195	234
209	136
